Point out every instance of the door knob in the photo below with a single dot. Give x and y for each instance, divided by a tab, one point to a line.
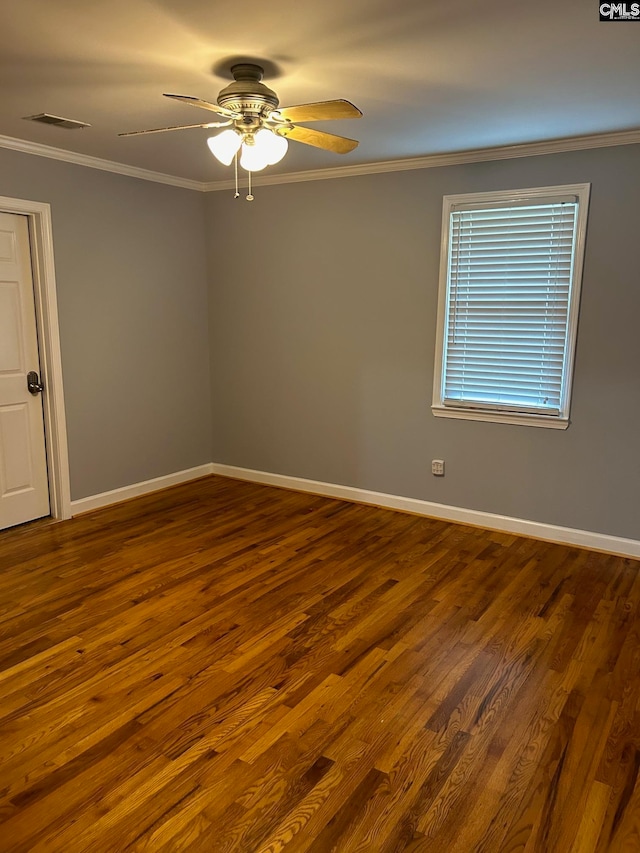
34	385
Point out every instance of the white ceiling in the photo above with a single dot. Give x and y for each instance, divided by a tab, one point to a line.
430	76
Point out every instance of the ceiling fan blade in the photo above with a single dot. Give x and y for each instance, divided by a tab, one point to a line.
320	111
328	141
205	105
175	127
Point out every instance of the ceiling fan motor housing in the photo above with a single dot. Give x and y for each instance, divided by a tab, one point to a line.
247	95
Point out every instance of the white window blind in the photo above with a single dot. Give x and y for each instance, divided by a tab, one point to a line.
510	282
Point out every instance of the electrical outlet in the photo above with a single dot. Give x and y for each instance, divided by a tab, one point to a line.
437	467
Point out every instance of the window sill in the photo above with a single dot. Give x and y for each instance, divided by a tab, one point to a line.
547	421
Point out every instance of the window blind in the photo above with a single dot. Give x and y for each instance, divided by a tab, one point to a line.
509	289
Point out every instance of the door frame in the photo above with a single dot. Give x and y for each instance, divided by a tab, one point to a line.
44	288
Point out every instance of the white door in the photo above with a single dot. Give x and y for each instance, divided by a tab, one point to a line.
24	488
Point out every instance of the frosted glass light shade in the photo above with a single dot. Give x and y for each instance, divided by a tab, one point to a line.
273	145
224	145
253	157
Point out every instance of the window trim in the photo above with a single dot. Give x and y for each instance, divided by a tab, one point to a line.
504	197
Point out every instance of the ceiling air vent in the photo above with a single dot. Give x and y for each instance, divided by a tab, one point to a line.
57	121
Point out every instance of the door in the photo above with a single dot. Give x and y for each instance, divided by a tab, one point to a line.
24	488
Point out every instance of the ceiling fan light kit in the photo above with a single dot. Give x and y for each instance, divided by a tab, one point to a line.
256	128
260	148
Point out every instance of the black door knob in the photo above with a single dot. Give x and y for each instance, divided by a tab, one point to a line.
33	383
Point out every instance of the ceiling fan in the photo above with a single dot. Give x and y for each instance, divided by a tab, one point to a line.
257	128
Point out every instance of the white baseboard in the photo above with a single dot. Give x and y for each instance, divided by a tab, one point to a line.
137	489
503	523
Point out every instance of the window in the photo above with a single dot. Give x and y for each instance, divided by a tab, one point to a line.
510	276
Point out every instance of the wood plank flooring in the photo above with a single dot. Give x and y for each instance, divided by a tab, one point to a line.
224	666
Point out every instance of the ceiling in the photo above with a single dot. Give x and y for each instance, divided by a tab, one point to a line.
430	76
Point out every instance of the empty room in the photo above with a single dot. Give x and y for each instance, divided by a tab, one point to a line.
319	406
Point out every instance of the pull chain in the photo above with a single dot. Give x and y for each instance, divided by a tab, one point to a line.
237	192
235	159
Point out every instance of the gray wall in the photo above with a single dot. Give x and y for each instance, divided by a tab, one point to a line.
323	311
132	297
322	306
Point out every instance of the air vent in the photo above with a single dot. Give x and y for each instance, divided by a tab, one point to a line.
57	121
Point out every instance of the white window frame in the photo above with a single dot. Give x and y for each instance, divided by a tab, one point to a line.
496	415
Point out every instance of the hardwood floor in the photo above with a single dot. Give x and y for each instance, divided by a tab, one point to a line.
231	667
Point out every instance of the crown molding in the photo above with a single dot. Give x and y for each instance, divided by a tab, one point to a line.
39	150
454	158
429	161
